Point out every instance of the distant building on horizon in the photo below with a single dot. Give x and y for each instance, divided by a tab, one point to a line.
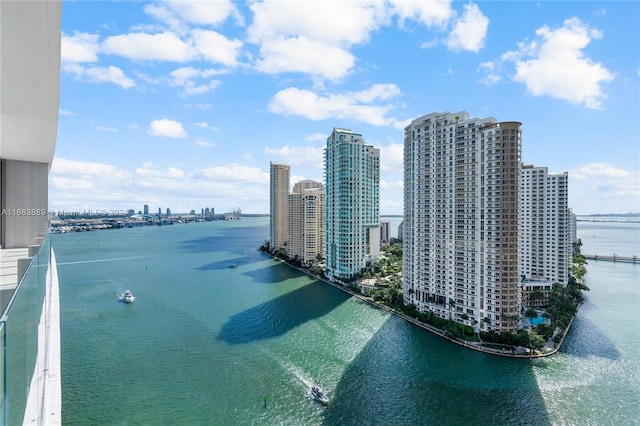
306	221
352	177
460	229
278	205
384	233
146	209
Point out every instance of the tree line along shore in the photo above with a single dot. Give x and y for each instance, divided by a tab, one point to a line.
381	285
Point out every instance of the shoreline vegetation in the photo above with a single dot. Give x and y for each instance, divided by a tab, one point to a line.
380	285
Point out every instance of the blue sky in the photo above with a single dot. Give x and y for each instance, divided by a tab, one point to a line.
184	104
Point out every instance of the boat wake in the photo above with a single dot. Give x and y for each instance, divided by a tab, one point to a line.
305	381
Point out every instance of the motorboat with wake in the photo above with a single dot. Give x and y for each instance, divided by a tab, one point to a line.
318	394
128	297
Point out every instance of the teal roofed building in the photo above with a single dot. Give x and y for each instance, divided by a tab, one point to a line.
352	177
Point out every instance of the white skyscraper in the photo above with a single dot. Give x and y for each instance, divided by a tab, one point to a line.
545	245
352	176
279	202
461	186
306	222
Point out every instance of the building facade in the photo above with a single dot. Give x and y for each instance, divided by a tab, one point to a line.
30	81
545	233
545	246
30	32
352	177
306	224
460	229
279	202
385	235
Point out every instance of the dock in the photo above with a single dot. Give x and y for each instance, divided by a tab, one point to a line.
612	258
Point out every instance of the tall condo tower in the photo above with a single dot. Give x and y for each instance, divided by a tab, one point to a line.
306	221
279	202
545	245
460	233
352	177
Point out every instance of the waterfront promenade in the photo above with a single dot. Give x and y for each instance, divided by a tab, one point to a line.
549	348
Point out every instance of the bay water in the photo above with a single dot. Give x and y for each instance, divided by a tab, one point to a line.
206	344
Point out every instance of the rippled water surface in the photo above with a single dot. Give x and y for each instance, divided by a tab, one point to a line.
205	344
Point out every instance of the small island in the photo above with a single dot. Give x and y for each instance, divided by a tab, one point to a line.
380	284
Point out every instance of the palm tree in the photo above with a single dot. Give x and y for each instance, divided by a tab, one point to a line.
452	304
530	314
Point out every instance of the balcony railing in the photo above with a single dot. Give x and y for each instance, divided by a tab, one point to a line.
30	341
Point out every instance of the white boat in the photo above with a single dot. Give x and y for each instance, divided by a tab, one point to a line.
318	394
128	297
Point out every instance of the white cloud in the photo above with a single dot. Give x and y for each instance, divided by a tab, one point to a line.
179	13
429	44
391	186
107	129
94	74
81	47
168	46
349	105
85	170
147	172
77	185
603	188
186	79
298	156
430	13
235	172
597	169
167	128
165	46
392	158
491	72
109	74
339	23
559	67
215	47
312	37
470	30
299	54
316	137
316	37
204	144
65	112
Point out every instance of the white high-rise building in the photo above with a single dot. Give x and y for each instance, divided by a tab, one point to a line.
545	246
306	221
460	232
352	178
279	202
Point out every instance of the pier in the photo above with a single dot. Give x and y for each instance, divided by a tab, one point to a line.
612	258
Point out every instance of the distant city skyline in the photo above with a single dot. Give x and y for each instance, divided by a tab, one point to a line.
184	104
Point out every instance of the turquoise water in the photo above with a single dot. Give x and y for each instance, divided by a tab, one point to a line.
609	235
536	321
204	344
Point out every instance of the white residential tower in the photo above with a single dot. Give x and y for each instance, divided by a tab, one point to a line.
460	232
